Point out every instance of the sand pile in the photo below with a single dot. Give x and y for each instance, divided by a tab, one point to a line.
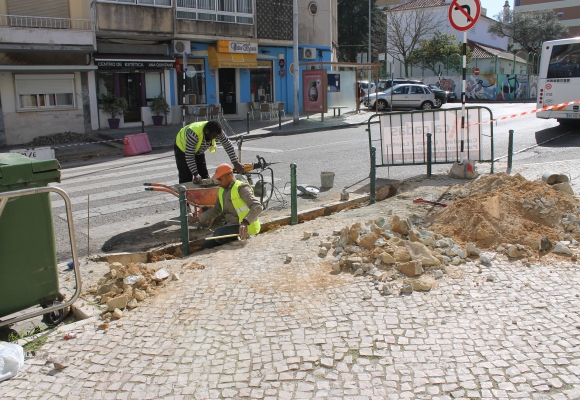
502	209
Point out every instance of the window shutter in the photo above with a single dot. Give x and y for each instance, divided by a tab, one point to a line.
44	84
35	8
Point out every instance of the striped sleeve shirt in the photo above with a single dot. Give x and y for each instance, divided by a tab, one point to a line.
191	144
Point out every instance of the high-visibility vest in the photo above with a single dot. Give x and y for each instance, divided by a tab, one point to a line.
197	128
241	207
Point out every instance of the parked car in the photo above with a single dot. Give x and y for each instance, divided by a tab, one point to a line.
403	96
440	96
385	84
451	96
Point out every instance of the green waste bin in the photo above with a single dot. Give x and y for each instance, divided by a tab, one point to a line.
28	268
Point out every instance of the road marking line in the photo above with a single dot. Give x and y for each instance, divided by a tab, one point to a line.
170	169
261	149
118	207
104	231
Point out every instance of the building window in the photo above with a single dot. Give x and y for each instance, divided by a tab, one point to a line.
153	85
313	8
49	91
560	15
194	83
228	11
261	82
155	3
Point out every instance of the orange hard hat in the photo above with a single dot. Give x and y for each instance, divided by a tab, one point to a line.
221	170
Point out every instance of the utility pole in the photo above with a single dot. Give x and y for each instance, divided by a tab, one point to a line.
369	58
296	69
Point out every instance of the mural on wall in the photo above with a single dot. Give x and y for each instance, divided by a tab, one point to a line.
488	86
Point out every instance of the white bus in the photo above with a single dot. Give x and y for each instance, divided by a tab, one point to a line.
559	79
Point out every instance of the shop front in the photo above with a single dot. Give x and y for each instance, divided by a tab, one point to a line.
228	58
137	79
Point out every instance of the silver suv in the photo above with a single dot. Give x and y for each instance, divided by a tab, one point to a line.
403	96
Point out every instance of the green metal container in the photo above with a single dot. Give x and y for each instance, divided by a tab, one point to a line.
28	268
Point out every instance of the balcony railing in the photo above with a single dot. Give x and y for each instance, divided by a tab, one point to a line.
24	21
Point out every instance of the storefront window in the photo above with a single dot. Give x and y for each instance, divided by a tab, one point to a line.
261	82
153	85
194	83
105	84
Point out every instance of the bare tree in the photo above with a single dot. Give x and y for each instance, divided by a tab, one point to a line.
406	28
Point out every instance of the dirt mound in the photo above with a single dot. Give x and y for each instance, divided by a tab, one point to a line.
500	209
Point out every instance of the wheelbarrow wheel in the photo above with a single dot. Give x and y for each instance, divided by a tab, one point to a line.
53	318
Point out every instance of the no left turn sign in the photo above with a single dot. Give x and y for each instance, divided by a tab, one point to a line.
463	14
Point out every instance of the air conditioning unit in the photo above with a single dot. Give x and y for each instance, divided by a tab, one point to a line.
181	46
308	53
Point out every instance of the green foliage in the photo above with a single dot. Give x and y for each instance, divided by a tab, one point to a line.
159	105
113	105
438	48
528	29
353	29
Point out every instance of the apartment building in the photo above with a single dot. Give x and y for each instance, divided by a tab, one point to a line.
45	68
568	11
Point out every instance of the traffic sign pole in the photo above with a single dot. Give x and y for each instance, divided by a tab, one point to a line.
463	96
463	15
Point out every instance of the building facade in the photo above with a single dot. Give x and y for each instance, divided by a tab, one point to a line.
45	68
568	11
193	52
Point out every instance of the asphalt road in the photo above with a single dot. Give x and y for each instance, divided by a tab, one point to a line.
114	187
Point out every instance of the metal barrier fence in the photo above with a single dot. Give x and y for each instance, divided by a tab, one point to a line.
430	137
25	21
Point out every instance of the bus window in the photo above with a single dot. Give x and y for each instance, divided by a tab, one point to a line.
565	61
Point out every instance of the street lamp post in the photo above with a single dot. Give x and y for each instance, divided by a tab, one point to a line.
369	57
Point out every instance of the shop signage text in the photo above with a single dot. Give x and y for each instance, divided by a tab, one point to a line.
135	64
230	46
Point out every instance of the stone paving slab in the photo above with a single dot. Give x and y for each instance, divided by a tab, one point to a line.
251	325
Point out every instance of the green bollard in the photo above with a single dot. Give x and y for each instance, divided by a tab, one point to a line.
429	156
293	195
373	174
510	152
183	218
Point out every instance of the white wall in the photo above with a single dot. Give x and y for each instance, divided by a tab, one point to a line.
317	29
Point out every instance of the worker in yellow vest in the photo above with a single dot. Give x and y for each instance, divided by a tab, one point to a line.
236	201
190	145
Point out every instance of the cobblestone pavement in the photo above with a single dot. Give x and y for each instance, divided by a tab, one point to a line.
251	325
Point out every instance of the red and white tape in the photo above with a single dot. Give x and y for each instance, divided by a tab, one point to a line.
557	107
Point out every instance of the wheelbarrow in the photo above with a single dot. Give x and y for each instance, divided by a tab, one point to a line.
195	197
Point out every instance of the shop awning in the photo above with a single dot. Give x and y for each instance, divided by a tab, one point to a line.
137	61
230	60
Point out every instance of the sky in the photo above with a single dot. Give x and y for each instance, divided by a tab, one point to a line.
495	6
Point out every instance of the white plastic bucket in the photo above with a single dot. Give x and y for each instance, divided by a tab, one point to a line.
326	179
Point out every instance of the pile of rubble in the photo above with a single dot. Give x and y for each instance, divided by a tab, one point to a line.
400	256
499	209
124	287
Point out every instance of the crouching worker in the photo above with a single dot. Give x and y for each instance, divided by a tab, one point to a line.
236	201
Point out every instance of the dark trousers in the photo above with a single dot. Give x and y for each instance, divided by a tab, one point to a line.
224	230
185	174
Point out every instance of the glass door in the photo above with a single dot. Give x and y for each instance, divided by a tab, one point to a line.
131	91
227	90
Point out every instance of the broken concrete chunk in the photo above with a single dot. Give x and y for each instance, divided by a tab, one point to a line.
289	257
560	248
322	252
115	266
421	252
140	295
117	302
132	304
161	274
438	274
486	257
421	285
326	245
402	254
411	268
307	234
472	250
406	289
516	251
174	276
336	267
545	244
386	258
564	187
354	233
368	241
400	226
359	272
117	314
